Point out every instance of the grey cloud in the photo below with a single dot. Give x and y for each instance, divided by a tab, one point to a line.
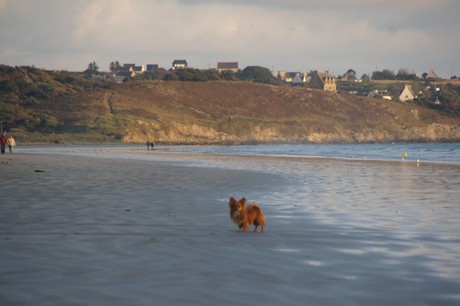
285	35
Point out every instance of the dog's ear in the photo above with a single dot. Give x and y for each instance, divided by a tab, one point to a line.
232	201
243	200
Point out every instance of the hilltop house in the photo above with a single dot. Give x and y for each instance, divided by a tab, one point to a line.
281	75
431	75
323	80
407	94
380	93
295	78
136	70
127	66
179	64
131	70
298	79
227	66
124	72
151	67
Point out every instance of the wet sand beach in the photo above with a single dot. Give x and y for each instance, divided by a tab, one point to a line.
79	230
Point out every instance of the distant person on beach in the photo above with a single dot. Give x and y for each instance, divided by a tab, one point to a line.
148	144
3	141
11	143
404	156
152	145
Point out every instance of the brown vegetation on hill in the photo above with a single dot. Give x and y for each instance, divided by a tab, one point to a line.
220	112
73	109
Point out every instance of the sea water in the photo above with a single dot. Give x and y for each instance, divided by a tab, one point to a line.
436	152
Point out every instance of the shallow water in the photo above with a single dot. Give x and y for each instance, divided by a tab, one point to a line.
369	229
431	152
434	152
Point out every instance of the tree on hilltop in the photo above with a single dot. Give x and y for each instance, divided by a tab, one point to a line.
115	67
365	78
385	74
405	74
257	74
187	74
93	67
92	71
350	75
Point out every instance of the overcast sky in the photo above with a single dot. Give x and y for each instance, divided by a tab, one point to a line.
289	35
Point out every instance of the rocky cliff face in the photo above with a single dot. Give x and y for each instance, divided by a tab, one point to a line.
180	133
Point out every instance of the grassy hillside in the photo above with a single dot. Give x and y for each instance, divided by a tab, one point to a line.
45	106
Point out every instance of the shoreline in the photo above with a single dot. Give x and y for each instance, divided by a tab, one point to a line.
138	152
236	143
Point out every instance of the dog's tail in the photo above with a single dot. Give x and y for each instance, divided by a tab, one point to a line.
261	220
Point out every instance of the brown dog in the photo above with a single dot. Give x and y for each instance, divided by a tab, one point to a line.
246	216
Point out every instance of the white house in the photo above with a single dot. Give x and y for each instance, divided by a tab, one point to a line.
227	66
407	94
179	64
